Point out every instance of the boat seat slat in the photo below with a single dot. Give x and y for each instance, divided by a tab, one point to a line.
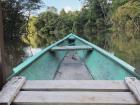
60	48
10	90
75	85
18	91
74	98
134	86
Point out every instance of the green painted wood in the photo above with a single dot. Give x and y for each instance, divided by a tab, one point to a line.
103	68
62	48
45	67
101	64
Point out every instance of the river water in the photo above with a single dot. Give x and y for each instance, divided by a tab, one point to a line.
16	52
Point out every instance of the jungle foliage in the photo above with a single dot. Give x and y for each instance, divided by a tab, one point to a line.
111	24
16	14
126	32
89	23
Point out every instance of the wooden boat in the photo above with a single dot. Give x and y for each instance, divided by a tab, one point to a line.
74	58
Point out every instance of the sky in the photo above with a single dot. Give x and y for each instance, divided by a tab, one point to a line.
68	5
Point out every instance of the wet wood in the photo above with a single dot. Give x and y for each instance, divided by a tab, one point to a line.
74	98
10	90
61	48
75	85
134	86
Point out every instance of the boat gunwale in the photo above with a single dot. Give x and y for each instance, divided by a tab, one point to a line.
32	59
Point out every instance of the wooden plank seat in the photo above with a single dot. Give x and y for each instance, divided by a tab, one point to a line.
10	90
61	48
71	92
74	98
75	85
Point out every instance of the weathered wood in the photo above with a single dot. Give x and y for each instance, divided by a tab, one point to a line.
2	63
75	85
64	92
72	68
10	90
68	98
61	48
134	86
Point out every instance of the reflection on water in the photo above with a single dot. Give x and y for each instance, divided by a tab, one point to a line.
16	53
31	51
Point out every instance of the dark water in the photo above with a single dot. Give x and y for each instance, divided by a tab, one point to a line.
14	53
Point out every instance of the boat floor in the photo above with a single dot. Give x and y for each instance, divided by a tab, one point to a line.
72	68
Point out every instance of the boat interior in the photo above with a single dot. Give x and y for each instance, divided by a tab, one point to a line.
72	68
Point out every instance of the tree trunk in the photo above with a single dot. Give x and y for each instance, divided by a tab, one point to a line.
3	72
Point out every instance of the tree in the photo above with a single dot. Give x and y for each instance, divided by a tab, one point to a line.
52	9
33	38
15	15
116	4
62	13
126	29
28	7
96	21
13	18
3	70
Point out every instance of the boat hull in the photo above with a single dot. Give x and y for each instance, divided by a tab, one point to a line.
100	64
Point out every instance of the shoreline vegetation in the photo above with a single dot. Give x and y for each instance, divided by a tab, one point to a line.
114	26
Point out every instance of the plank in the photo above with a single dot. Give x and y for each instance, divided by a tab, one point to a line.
134	86
10	90
60	48
74	98
75	85
72	68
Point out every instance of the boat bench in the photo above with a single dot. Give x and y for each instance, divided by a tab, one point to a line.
19	91
62	48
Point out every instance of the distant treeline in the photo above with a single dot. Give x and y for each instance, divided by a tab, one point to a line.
111	24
